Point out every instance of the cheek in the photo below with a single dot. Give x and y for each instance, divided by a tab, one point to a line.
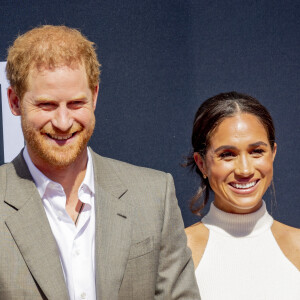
34	117
265	167
84	116
219	171
40	120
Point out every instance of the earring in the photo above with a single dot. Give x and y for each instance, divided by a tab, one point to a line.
204	176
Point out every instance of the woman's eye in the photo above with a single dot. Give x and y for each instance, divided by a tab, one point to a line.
227	154
258	151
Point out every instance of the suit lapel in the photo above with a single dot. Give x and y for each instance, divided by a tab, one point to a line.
113	229
32	233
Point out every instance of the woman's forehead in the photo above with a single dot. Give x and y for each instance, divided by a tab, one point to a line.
242	127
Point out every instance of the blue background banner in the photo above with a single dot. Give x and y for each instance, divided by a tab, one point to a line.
162	59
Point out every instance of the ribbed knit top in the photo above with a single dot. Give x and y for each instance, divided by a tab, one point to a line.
242	260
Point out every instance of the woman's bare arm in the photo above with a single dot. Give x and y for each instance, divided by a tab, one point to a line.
288	239
197	236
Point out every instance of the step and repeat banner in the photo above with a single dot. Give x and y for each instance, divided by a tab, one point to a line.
160	60
10	126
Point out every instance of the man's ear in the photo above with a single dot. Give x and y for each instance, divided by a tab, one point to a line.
14	102
200	163
95	96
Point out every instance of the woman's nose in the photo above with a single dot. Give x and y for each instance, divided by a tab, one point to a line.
244	166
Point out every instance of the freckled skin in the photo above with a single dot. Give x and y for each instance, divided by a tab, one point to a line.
57	113
244	156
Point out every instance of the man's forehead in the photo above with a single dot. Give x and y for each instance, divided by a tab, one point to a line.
38	72
39	68
61	78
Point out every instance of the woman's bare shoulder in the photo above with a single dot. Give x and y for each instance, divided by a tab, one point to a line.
288	239
288	234
196	229
197	236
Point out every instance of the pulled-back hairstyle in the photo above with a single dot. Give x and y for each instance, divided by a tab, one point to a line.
50	47
209	115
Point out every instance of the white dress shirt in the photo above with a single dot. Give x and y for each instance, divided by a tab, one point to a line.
76	244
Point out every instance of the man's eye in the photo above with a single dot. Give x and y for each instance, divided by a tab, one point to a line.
46	105
76	104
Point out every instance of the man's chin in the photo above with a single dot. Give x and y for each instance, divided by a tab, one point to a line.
62	159
47	154
57	158
59	163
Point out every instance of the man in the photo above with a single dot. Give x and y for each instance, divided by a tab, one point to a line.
73	224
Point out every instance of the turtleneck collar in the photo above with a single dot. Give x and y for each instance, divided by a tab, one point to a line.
238	225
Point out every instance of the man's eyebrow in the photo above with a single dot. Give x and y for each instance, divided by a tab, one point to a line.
45	99
83	98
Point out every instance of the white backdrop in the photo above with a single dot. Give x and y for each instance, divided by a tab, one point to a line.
12	133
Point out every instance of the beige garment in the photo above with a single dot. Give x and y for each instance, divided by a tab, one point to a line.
140	244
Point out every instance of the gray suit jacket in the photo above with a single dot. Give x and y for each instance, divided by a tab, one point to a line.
140	246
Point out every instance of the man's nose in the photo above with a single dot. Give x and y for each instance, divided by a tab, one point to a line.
244	166
62	119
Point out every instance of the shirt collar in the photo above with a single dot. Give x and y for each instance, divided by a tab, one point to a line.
88	180
41	181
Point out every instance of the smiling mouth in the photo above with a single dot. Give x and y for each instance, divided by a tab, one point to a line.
244	185
60	137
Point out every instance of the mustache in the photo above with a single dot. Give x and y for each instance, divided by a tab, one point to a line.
48	129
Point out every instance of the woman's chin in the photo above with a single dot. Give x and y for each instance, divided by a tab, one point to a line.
242	205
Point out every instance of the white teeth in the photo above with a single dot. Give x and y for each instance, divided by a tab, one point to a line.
58	137
244	186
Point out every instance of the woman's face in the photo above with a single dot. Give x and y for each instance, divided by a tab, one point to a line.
238	163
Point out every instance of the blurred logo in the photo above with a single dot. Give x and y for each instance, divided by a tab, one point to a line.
12	140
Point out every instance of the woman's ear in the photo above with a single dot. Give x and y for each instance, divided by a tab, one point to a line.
200	163
14	102
274	150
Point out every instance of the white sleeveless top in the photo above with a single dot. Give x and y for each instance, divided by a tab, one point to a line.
242	260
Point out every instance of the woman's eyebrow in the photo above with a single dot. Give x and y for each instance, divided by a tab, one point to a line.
225	147
259	143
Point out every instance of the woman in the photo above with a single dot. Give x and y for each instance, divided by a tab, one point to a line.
239	251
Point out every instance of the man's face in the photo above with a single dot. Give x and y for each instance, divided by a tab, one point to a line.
57	113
